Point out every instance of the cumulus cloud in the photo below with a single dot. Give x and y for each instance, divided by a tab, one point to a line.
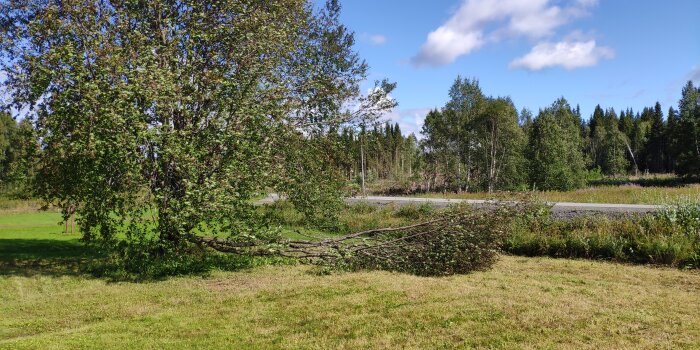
410	120
478	22
567	54
374	39
377	39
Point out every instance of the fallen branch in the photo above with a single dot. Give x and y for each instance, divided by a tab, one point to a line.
455	241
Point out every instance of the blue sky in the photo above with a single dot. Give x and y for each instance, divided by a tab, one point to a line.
616	53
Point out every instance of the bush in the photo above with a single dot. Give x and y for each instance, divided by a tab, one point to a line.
415	211
670	238
685	216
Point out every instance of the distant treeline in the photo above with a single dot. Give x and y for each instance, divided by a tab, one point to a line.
481	143
474	143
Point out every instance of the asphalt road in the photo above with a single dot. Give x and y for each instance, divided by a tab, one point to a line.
558	207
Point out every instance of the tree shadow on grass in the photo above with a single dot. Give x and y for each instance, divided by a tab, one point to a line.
56	258
31	257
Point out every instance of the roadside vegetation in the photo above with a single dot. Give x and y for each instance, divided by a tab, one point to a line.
621	194
671	237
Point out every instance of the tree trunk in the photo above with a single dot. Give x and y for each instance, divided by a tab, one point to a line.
362	165
469	166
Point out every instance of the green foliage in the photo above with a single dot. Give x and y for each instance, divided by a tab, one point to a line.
474	142
19	151
684	216
312	180
159	119
670	238
504	143
388	155
555	156
688	143
415	212
610	145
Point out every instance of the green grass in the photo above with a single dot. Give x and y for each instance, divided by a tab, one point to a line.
35	242
625	194
36	235
47	303
520	303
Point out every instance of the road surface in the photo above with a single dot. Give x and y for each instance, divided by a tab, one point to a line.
558	207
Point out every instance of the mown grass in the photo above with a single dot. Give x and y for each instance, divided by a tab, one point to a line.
624	194
36	235
519	303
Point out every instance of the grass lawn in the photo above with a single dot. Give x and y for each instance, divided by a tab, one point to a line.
36	236
632	194
520	303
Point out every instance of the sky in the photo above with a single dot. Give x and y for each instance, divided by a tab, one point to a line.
616	53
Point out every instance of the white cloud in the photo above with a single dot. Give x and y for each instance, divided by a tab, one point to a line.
377	39
478	22
410	120
374	39
567	54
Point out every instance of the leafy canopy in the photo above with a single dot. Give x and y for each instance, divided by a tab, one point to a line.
159	119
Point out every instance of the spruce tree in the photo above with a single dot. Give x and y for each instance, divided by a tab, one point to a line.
689	135
554	150
656	144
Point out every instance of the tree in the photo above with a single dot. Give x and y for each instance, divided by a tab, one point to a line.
525	120
672	132
180	110
367	112
640	137
689	137
502	143
655	149
24	155
435	147
466	104
8	131
611	145
554	150
596	119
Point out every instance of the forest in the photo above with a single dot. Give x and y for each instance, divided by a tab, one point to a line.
474	143
482	143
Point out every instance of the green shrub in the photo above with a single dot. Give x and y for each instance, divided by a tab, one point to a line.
413	211
362	208
669	238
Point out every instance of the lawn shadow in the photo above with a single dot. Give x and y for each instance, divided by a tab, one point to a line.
56	258
31	257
